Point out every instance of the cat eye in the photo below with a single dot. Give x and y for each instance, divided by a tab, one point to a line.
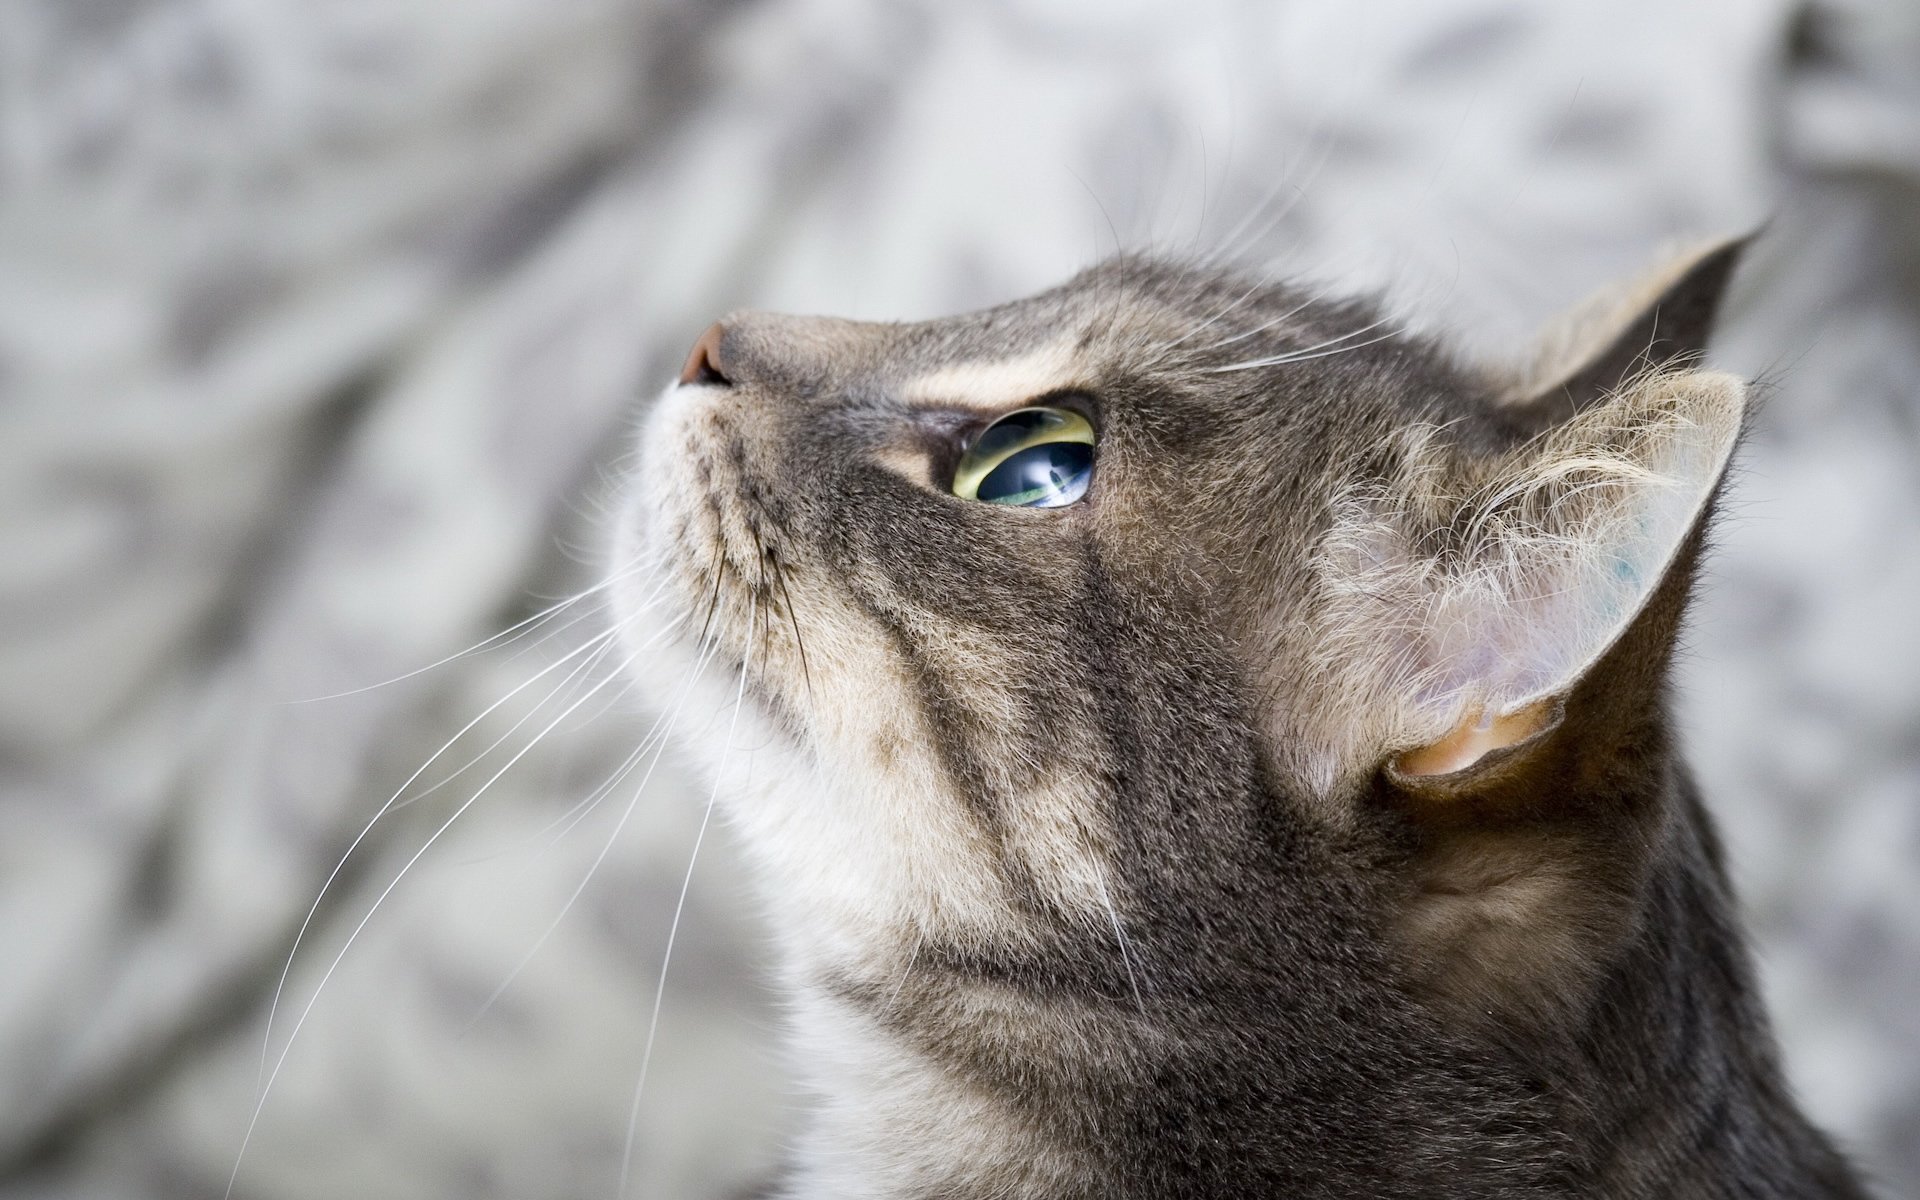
1032	458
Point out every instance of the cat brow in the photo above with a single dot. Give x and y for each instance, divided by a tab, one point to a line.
993	385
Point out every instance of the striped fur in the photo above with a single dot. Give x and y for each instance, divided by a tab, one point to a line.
1082	829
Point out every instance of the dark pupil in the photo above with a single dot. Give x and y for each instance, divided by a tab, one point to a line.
1044	476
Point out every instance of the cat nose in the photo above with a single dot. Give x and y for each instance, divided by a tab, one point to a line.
751	350
703	364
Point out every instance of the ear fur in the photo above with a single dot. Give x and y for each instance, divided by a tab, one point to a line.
1510	616
1476	588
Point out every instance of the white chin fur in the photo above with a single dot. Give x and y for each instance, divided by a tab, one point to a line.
856	851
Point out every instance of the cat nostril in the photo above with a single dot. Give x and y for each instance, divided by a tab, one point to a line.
703	364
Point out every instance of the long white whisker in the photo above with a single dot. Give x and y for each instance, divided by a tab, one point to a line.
578	811
558	828
645	603
477	759
1244	228
1203	326
506	636
679	907
1311	352
599	641
656	741
1261	328
292	1037
1267	277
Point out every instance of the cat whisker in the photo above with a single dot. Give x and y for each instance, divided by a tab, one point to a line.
1243	234
1315	351
656	741
1256	288
561	827
1252	290
575	619
793	619
713	607
429	790
564	824
556	830
603	641
594	647
680	905
1264	326
507	636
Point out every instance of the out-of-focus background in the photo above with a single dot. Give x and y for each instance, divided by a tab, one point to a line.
322	330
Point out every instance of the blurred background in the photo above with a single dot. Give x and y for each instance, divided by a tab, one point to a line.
323	329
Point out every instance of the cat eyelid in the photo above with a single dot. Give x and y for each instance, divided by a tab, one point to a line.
1075	400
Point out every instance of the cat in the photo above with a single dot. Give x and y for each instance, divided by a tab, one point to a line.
1197	739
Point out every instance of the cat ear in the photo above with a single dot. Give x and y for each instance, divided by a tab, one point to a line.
1509	589
1659	321
1480	589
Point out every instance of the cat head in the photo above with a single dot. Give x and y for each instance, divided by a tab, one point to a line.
1032	619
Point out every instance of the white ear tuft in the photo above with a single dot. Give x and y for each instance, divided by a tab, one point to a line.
1466	591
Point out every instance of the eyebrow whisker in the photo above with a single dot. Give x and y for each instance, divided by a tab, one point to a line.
1315	351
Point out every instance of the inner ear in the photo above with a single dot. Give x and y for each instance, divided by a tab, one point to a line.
1470	591
1480	734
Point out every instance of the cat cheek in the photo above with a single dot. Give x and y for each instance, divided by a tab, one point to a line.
913	465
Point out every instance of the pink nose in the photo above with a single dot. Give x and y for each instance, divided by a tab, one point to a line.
703	364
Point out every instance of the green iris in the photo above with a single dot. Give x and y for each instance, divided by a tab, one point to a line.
1032	458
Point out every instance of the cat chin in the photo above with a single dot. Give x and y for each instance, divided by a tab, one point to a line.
888	1122
854	872
855	836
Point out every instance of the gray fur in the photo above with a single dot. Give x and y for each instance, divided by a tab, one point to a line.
1079	895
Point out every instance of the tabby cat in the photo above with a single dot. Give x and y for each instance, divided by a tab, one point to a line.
1200	741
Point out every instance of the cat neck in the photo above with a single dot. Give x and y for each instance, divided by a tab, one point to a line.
966	1074
1679	1087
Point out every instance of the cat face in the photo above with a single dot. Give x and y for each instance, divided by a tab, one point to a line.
1310	548
969	686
